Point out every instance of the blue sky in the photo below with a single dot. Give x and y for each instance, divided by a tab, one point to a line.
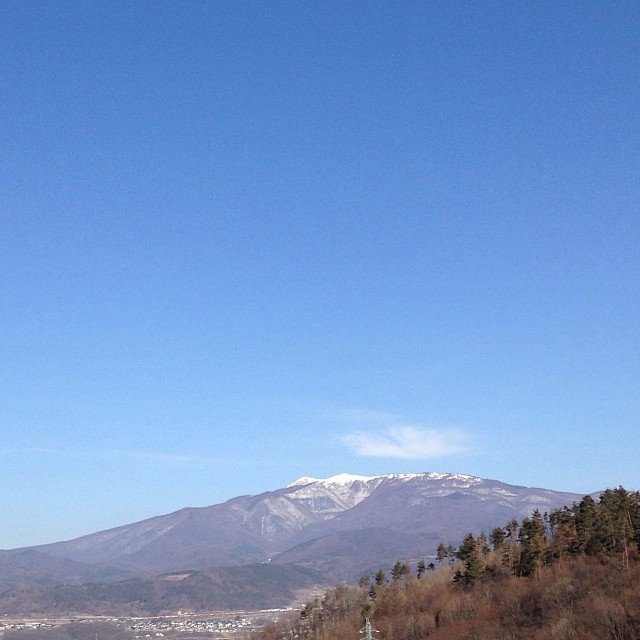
245	242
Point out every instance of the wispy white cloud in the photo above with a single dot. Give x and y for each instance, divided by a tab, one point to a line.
407	442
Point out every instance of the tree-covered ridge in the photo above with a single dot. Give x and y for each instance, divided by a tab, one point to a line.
607	528
570	574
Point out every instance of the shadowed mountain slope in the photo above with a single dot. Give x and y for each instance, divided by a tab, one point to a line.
33	567
247	587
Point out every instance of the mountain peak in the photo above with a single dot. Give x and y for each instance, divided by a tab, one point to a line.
350	478
339	479
347	478
302	481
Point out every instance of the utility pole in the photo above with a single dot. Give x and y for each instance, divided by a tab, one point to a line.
368	630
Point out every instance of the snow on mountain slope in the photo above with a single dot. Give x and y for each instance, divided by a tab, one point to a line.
329	497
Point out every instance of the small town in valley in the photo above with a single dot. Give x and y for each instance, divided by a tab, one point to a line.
179	626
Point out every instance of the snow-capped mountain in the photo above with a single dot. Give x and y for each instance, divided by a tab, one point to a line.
312	530
339	525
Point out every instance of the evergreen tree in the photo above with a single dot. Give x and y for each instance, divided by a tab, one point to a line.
400	569
475	564
563	531
472	553
511	548
467	547
497	538
533	542
585	519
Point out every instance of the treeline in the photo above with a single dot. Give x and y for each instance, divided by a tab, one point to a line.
607	528
570	574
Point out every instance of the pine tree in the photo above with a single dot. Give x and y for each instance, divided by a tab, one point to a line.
400	569
533	542
511	550
467	547
497	538
472	552
563	531
475	564
585	519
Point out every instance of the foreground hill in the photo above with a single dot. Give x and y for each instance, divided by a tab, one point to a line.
572	576
249	587
578	599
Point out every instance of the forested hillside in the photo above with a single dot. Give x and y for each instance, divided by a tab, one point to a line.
248	587
571	574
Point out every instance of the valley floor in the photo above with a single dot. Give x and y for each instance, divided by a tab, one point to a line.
179	626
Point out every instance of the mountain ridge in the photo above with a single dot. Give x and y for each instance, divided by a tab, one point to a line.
318	524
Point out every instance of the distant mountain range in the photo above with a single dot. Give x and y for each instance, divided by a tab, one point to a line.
316	530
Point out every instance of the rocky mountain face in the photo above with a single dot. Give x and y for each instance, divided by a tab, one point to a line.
340	526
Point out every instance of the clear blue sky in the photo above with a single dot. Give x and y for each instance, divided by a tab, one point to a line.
247	241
